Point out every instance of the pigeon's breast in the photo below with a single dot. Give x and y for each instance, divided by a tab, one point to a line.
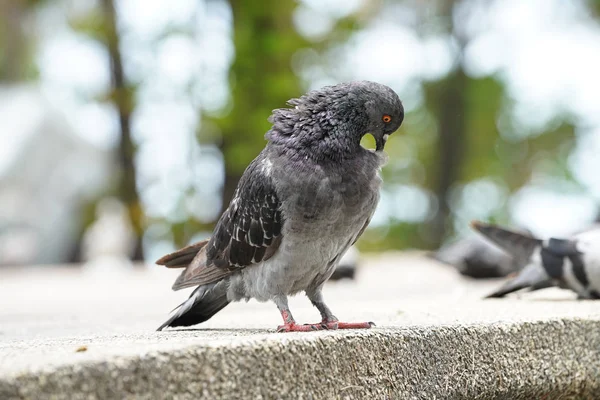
324	209
330	200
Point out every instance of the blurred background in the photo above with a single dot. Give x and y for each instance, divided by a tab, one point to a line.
125	124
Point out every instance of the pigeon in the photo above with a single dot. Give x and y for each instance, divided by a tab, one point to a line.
299	205
572	263
476	257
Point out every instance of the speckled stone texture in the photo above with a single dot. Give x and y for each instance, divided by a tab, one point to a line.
92	338
543	360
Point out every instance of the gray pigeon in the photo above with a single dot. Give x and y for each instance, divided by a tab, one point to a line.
476	257
566	263
300	204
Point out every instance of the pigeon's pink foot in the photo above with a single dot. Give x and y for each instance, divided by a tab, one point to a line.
354	325
294	327
334	325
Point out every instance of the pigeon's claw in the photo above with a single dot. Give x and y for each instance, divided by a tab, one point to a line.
331	325
294	327
331	322
355	325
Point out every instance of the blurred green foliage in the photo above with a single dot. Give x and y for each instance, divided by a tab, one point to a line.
458	134
261	79
16	42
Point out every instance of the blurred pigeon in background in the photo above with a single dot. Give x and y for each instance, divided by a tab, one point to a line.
300	204
476	257
566	263
347	266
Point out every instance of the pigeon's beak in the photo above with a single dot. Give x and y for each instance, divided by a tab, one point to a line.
380	142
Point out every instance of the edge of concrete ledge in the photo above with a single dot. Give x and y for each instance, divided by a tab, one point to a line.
558	358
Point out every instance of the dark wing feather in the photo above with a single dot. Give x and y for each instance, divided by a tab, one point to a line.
247	233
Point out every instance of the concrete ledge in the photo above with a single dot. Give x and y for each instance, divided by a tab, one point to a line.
542	360
77	334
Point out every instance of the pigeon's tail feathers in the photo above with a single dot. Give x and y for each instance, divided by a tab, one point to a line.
532	277
520	246
203	303
183	257
200	272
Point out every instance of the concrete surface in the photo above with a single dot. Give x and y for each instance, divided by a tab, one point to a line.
67	333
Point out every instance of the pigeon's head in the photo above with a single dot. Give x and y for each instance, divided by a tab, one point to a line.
383	109
331	121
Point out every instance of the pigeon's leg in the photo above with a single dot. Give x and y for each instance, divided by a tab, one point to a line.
316	298
329	321
289	324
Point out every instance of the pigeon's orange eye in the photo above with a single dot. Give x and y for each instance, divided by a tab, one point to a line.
386	118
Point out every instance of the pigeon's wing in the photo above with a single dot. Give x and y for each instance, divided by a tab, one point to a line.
247	233
354	240
336	260
250	230
359	234
519	245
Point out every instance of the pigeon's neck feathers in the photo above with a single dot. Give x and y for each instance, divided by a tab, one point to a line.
320	125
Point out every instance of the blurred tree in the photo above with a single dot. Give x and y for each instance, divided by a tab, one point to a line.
465	114
261	79
16	40
465	130
446	98
102	25
123	96
458	143
595	7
